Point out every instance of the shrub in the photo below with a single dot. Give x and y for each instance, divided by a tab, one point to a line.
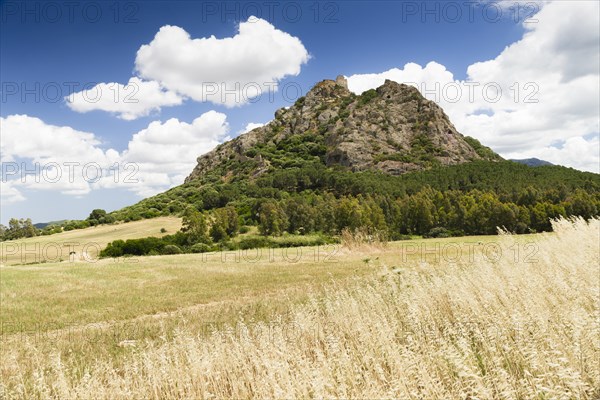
254	242
299	241
172	249
200	248
217	233
438	232
399	236
113	249
244	229
367	96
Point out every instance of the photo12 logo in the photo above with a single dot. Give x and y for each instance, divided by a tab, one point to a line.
72	171
326	12
52	252
454	253
23	12
471	91
453	12
232	93
291	255
54	92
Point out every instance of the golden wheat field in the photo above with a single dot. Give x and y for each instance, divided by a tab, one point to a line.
514	322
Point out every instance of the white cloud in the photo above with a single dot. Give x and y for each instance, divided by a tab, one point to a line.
25	136
573	151
166	152
47	157
556	63
138	98
10	194
227	71
173	67
250	126
62	159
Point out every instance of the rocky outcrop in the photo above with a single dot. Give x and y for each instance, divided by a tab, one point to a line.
393	129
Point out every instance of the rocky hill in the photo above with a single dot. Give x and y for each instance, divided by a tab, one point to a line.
393	129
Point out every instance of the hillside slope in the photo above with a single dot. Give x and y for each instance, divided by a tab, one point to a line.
56	247
388	160
393	129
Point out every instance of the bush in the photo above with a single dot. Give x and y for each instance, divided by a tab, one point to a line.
200	248
134	247
254	242
227	246
171	249
109	219
163	230
113	249
439	232
244	229
399	236
218	233
367	96
299	241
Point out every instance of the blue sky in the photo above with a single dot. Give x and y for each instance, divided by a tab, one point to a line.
42	51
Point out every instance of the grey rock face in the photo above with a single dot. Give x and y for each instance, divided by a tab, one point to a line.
393	129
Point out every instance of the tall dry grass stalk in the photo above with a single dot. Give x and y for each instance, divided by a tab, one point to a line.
501	328
362	239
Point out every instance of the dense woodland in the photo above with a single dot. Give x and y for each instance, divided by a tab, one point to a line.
468	199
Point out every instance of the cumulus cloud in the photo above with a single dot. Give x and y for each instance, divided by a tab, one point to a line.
48	157
40	156
250	126
228	71
25	136
539	96
573	151
166	152
138	98
10	194
174	67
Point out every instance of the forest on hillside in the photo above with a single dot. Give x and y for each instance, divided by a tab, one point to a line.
469	199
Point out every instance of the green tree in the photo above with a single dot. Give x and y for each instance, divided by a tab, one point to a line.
348	214
272	219
373	216
96	216
194	226
225	224
419	214
581	204
301	215
28	229
20	228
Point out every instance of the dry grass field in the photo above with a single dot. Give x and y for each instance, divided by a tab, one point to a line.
86	243
465	318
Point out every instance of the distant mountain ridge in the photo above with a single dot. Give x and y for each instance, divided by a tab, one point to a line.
532	162
42	225
393	129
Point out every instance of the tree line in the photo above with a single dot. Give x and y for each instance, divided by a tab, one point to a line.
468	199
